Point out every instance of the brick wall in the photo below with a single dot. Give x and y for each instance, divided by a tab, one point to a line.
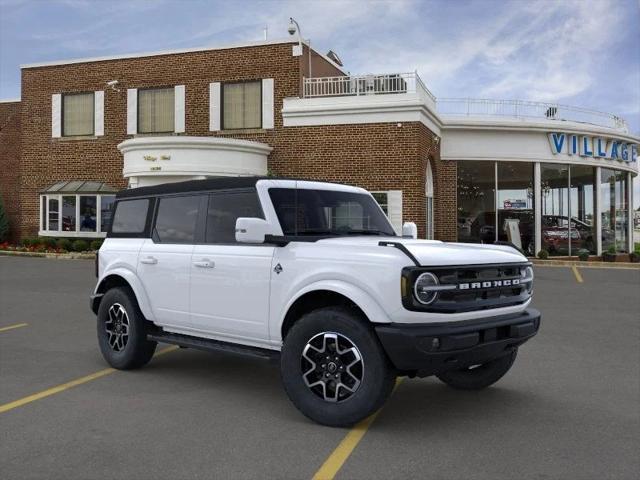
373	156
10	162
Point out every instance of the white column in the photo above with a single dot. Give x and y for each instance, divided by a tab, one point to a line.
537	207
598	211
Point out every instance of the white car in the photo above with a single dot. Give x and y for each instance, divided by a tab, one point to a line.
313	274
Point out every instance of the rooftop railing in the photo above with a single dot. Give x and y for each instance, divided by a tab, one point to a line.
399	83
357	85
526	110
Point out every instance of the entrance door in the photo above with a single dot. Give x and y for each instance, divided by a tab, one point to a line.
230	281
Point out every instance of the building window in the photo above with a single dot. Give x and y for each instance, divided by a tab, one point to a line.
428	190
614	210
78	114
477	201
383	200
241	105
156	110
76	209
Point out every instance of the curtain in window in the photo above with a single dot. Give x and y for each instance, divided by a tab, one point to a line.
242	105
77	114
156	109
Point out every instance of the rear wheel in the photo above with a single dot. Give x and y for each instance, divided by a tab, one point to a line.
333	367
122	335
481	376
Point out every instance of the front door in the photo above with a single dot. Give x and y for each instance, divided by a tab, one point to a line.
230	281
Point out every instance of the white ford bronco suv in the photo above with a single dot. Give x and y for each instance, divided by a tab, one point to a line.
311	273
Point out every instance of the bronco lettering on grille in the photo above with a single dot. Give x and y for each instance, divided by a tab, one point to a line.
490	284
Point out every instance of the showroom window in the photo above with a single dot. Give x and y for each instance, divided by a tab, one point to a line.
78	114
242	105
477	201
76	209
156	110
614	211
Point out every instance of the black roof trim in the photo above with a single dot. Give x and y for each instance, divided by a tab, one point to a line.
210	184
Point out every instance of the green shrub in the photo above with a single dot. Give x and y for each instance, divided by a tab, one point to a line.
543	254
80	246
583	254
95	244
48	242
4	223
27	242
64	244
611	249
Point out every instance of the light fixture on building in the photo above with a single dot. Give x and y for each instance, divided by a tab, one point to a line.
112	85
294	28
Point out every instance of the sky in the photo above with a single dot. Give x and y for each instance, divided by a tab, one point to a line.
576	52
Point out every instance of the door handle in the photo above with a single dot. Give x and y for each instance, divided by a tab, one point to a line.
204	263
149	260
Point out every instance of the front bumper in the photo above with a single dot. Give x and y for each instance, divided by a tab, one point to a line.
428	349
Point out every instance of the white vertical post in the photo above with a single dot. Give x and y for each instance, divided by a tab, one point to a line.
598	209
98	113
630	211
537	207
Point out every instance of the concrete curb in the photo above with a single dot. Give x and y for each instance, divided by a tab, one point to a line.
574	263
60	256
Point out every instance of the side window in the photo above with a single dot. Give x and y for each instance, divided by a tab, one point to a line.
176	219
130	216
224	210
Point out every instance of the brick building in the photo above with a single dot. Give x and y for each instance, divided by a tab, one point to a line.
85	128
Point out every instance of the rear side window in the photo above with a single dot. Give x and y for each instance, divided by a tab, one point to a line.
177	218
130	216
224	210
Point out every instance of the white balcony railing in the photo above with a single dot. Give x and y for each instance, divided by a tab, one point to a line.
356	85
526	109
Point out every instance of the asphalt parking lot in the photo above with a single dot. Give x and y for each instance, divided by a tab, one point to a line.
569	408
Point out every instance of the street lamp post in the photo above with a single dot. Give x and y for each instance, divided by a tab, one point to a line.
293	28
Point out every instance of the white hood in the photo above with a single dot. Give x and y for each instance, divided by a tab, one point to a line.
436	253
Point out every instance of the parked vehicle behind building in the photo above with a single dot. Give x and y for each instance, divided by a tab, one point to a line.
312	273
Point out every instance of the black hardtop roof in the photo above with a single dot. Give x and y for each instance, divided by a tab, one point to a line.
210	184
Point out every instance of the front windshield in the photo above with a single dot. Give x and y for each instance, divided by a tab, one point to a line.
328	212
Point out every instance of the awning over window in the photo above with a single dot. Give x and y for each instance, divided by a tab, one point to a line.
80	186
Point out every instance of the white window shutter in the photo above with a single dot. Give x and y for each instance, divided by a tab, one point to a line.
214	106
56	115
394	209
267	103
98	125
179	96
132	111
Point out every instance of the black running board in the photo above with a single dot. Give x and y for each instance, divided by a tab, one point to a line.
209	345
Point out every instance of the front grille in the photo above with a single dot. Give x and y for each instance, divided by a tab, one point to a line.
478	287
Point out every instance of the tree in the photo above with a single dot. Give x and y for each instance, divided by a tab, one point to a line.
4	223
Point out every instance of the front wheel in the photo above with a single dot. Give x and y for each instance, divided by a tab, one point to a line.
333	367
481	376
122	334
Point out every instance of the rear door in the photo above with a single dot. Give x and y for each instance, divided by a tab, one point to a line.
164	262
230	281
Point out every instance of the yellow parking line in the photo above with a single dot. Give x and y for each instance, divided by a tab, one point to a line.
65	386
11	327
576	273
333	464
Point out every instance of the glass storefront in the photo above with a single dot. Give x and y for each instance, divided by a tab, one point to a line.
495	195
614	210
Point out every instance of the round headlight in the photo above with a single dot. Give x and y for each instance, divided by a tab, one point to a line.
423	288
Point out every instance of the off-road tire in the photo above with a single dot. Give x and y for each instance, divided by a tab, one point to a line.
377	374
136	351
481	376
